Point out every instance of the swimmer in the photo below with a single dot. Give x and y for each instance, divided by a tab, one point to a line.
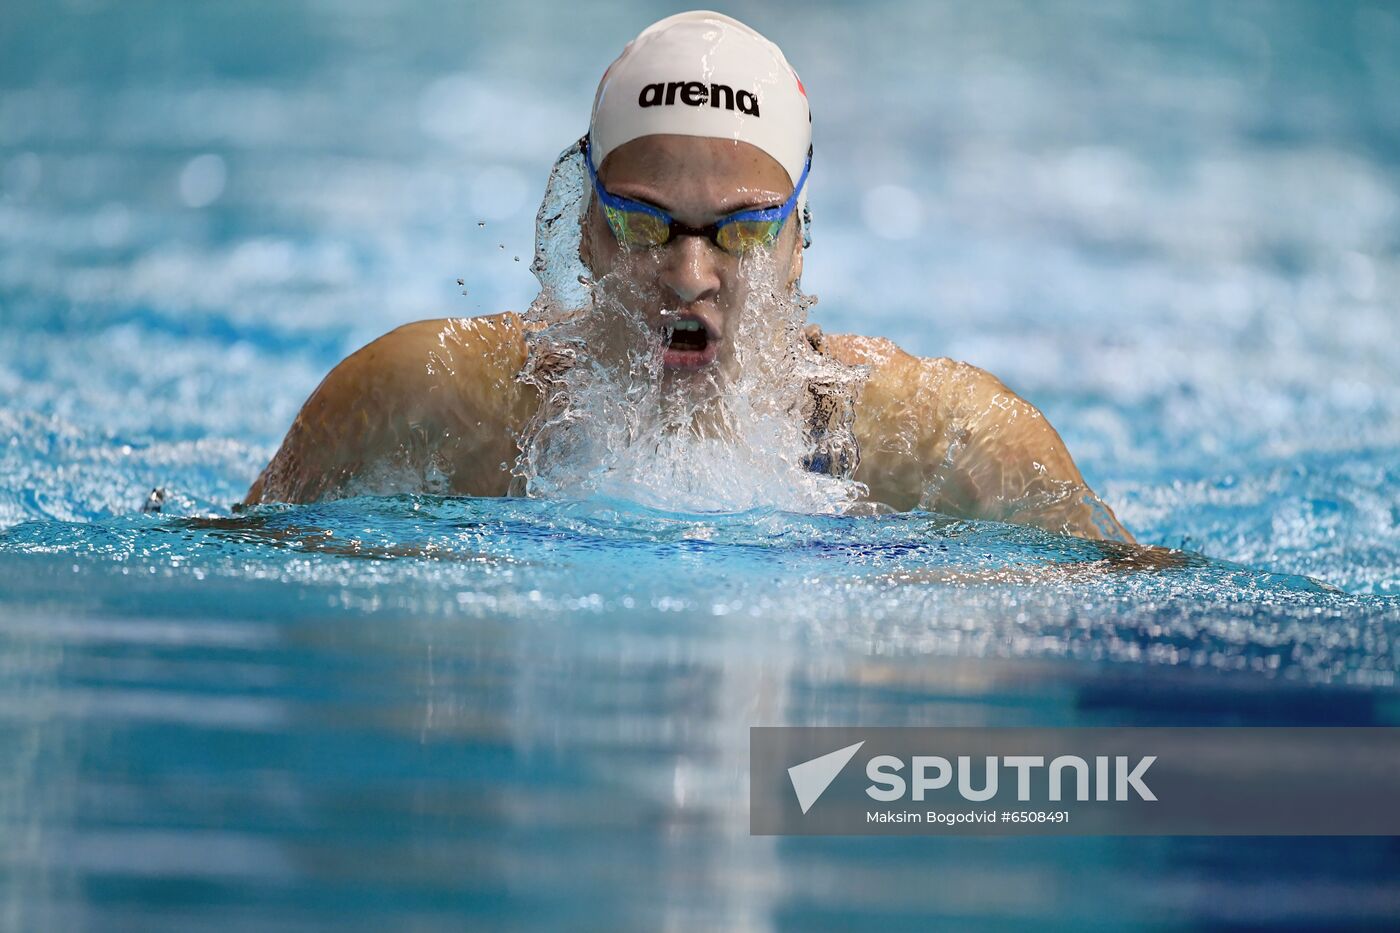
697	161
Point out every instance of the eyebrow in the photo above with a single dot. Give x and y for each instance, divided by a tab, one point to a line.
648	197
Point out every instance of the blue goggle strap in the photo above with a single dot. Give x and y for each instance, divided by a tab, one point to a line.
780	212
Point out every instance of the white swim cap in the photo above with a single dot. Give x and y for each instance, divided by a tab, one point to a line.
703	74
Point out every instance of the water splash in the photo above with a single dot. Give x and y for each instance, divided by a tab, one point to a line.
612	423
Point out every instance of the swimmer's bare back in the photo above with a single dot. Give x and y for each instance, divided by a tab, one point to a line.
439	400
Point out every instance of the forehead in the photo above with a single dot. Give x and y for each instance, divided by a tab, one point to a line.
685	163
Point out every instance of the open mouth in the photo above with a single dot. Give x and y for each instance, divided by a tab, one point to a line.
690	344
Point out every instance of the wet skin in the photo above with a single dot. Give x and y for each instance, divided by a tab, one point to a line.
932	431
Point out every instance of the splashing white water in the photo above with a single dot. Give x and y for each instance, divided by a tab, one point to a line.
611	424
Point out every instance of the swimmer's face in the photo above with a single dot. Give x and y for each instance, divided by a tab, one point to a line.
689	280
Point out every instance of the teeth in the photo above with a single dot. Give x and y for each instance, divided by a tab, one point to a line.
688	325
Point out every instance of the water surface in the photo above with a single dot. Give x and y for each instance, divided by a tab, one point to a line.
1174	228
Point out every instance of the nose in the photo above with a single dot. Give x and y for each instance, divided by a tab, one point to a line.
691	270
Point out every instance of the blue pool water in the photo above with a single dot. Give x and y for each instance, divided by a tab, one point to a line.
1175	228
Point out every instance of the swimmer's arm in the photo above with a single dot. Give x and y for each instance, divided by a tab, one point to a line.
949	437
1116	558
370	407
433	396
1007	463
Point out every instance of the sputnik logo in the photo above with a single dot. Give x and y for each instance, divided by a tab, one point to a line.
811	778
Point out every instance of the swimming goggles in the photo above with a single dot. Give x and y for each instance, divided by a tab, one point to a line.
641	226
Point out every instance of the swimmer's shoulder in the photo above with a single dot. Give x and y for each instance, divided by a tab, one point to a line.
897	376
493	340
463	369
454	361
1011	464
444	388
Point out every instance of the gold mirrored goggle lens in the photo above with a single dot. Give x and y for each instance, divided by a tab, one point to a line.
637	229
640	230
744	235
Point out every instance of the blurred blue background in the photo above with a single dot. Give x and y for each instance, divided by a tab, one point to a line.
1174	226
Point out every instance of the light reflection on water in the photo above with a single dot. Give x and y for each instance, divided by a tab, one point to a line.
1173	230
522	710
363	767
